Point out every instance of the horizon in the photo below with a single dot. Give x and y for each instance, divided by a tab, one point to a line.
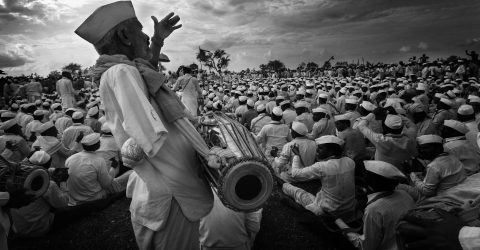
36	36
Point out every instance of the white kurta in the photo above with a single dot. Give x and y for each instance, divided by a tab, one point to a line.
171	168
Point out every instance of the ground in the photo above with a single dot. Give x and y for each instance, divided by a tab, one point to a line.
111	229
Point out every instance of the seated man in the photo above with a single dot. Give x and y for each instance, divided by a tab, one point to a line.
13	146
225	229
324	124
89	179
457	145
307	149
92	119
443	172
72	132
337	174
273	135
385	207
355	147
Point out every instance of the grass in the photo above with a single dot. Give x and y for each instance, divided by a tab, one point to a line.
111	229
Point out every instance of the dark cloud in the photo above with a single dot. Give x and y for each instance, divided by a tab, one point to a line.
12	59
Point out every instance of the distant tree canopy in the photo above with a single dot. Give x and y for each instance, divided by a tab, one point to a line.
2	72
217	60
72	67
275	65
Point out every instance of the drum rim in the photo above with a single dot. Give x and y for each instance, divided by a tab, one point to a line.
37	172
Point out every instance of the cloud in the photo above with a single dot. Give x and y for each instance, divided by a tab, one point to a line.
405	48
11	59
423	45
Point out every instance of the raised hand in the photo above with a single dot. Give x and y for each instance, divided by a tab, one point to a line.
165	27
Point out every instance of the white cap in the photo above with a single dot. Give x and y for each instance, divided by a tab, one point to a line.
77	115
474	98
44	127
329	139
39	157
90	139
38	112
300	128
250	103
8	114
301	92
319	110
8	124
394	122
424	139
465	110
384	169
280	97
277	111
323	96
93	111
216	105
211	95
105	128
351	101
56	105
301	104
416	108
261	107
242	98
458	126
342	117
91	104
368	106
446	101
284	102
103	19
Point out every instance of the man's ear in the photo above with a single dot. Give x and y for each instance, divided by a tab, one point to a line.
122	34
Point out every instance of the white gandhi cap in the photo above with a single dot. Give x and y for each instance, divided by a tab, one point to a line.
103	19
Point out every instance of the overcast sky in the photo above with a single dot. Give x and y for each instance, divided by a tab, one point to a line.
38	35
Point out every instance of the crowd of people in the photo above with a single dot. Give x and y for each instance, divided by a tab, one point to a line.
380	139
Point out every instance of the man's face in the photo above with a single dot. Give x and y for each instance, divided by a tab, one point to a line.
140	41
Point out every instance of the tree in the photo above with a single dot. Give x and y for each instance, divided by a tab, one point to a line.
2	72
301	66
218	60
276	66
311	66
72	67
193	67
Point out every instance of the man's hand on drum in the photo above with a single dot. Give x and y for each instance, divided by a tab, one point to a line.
19	198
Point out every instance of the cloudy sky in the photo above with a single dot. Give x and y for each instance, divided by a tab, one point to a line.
37	35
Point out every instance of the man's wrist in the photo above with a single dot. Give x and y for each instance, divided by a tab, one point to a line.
158	41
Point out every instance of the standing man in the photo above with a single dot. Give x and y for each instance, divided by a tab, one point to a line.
33	90
188	86
65	90
168	196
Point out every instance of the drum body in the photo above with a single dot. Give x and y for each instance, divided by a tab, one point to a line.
244	181
34	179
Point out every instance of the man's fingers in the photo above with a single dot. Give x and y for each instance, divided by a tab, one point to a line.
167	17
174	20
155	20
176	27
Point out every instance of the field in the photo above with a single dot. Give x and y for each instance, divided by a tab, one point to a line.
282	228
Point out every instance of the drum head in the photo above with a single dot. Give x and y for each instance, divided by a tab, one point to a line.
246	185
37	182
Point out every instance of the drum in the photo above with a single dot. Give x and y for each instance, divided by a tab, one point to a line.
35	180
243	179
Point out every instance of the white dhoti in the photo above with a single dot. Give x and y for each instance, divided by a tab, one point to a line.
178	233
191	103
67	101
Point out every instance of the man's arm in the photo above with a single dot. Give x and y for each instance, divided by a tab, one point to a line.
306	173
367	132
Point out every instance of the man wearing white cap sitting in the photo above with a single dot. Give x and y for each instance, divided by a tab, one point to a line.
466	114
325	104
443	172
36	219
393	146
261	120
289	114
168	196
350	110
92	119
386	206
242	108
354	146
307	151
72	132
32	127
274	135
337	174
65	121
109	150
89	179
443	113
247	117
57	112
456	144
420	117
324	124
13	146
303	114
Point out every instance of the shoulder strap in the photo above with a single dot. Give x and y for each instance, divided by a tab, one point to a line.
255	123
189	79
